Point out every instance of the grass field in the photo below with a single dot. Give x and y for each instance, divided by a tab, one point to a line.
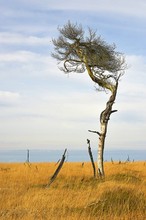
74	194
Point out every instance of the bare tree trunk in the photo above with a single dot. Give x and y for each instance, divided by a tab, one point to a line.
101	142
104	118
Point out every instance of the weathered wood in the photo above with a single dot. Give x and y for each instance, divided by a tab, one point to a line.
94	132
27	160
91	157
113	111
57	170
104	118
57	162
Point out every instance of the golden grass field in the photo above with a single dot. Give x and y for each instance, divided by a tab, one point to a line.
74	194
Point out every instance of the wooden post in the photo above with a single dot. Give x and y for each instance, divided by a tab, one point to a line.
91	157
27	160
57	170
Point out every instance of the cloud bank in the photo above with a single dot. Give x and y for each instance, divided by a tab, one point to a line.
40	106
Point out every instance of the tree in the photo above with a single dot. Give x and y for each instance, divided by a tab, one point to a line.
79	53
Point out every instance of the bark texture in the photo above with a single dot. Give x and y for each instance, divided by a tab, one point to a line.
58	169
91	158
104	118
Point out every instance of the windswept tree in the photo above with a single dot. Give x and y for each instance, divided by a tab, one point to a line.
80	53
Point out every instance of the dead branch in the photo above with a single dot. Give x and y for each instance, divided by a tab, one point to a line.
91	157
113	111
57	162
95	132
57	170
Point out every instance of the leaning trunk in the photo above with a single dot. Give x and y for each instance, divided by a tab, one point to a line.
104	118
101	149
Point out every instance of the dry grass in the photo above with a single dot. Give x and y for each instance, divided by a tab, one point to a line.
74	194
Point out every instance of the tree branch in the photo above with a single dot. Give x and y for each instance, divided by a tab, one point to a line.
95	132
113	111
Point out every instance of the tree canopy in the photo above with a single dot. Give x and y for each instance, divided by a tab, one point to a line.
78	53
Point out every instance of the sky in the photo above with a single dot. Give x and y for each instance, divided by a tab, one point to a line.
40	106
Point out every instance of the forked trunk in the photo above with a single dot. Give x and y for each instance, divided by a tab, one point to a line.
104	118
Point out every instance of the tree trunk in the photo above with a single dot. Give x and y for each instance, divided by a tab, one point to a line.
104	118
101	149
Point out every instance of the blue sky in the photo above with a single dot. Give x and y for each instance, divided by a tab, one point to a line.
40	107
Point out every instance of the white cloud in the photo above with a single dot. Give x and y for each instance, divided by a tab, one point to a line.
18	65
20	56
9	98
15	39
129	8
54	110
136	8
9	95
